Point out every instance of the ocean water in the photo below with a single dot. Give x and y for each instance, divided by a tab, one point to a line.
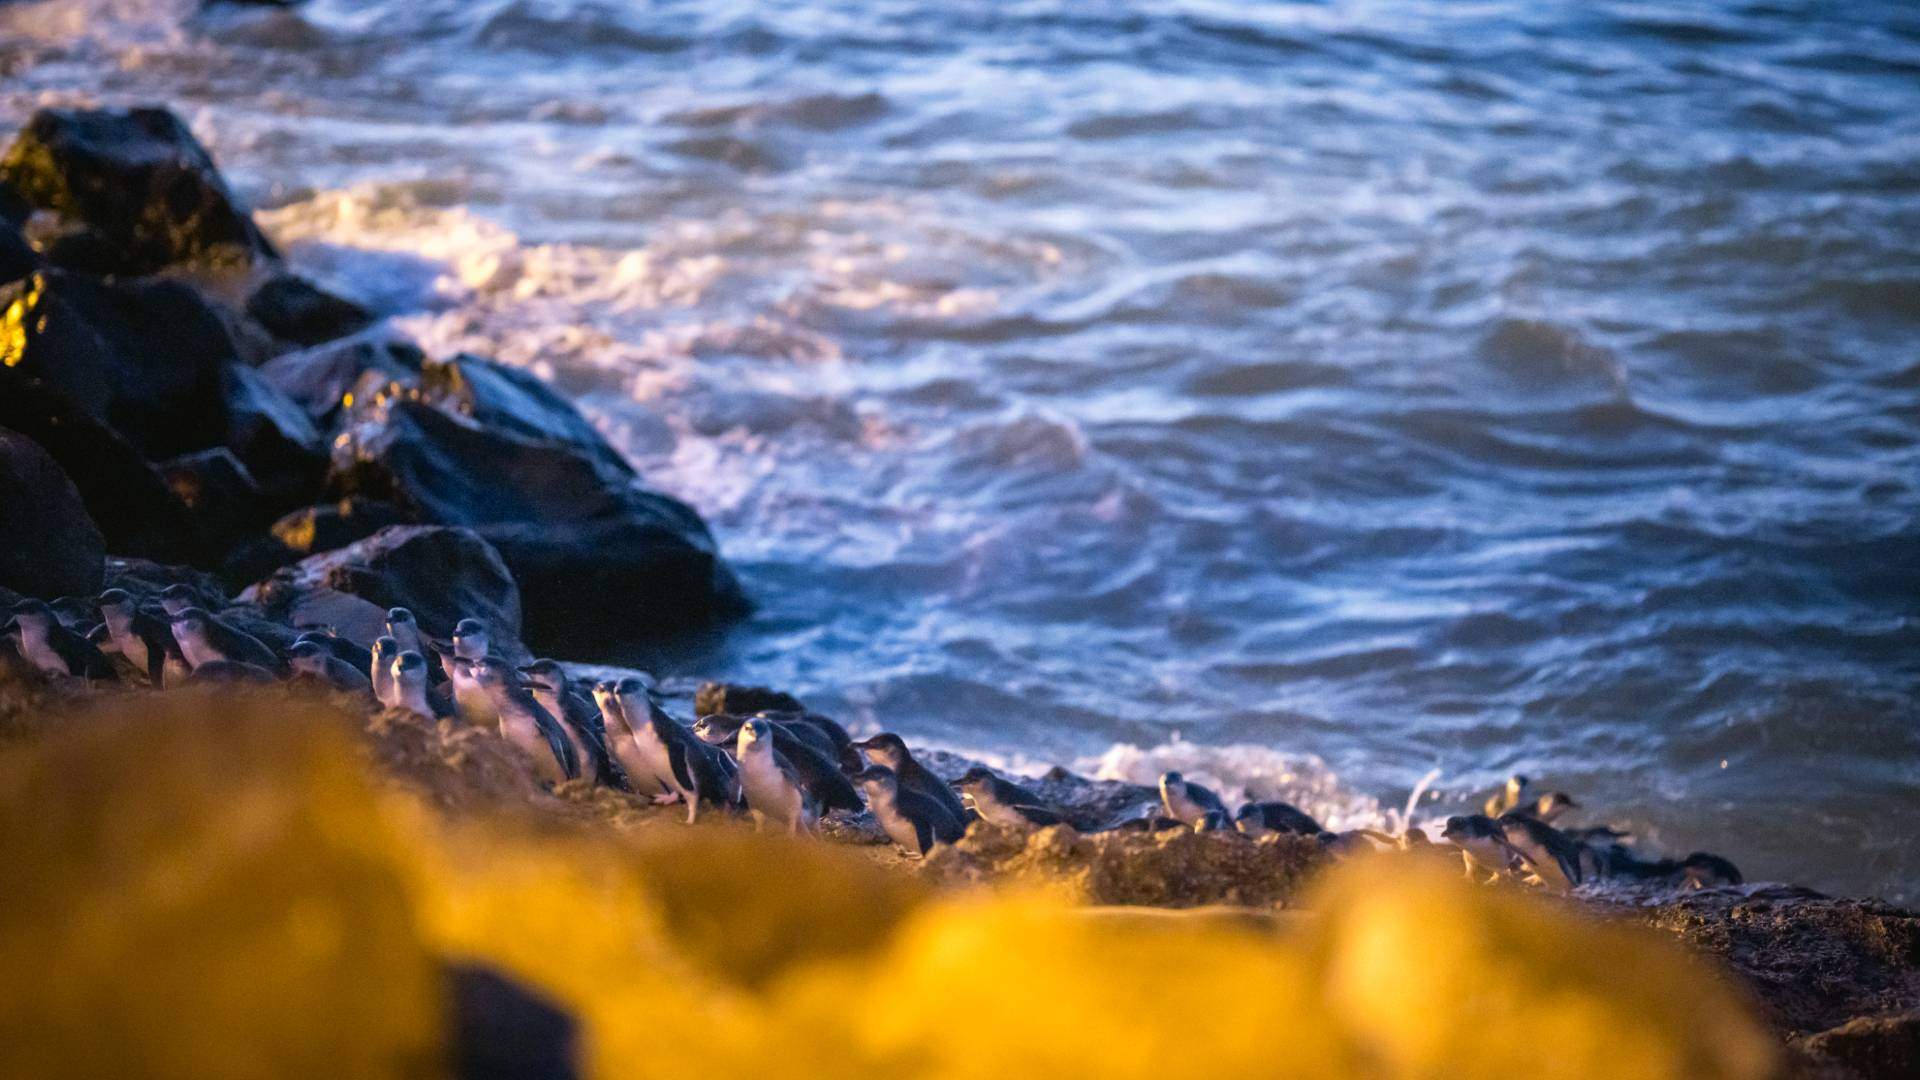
1311	396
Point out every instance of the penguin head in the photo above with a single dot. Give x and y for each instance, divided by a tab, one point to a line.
470	638
386	648
307	655
1552	805
409	667
1704	871
178	598
33	614
1465	828
877	776
755	733
546	675
974	779
886	749
1251	822
116	602
1171	781
193	620
717	729
492	673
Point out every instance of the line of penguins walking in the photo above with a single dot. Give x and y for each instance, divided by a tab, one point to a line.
783	767
787	767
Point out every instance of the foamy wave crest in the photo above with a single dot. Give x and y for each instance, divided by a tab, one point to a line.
1246	772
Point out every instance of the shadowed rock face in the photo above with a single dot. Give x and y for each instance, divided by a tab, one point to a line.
48	545
295	309
139	182
441	574
568	526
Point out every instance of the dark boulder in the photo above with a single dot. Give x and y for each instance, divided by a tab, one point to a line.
737	699
442	574
139	180
299	311
17	257
602	562
49	547
327	526
147	579
124	494
274	436
320	379
516	401
144	358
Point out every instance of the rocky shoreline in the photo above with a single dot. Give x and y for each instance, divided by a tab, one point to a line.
179	409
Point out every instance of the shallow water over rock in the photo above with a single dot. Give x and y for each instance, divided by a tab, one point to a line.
1354	390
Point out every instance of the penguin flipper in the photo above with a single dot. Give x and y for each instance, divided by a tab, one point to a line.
557	741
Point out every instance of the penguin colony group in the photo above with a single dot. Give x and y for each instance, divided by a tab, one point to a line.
784	768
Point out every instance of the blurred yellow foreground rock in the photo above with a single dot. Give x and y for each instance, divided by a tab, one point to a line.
208	891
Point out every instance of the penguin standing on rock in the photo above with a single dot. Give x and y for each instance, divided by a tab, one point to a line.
579	719
1482	843
405	631
524	722
144	638
46	643
471	702
1257	819
910	819
891	751
312	660
1001	802
802	746
205	638
621	744
771	784
689	769
1188	802
380	670
1553	858
1507	798
355	657
408	680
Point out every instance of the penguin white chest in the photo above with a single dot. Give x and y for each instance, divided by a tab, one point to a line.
768	790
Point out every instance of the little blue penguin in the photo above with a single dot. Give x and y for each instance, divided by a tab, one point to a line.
405	631
1257	819
409	677
800	744
1553	858
380	670
578	717
621	743
1507	798
911	820
1188	802
143	637
50	646
312	660
1701	870
355	657
524	722
1482	843
999	801
694	772
205	638
891	751
470	701
175	599
771	784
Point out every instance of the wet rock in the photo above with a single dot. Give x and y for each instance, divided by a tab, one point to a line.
124	494
319	379
327	526
271	433
48	545
512	400
226	501
569	527
735	699
442	574
140	181
298	310
1871	1047
144	358
17	258
1814	960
